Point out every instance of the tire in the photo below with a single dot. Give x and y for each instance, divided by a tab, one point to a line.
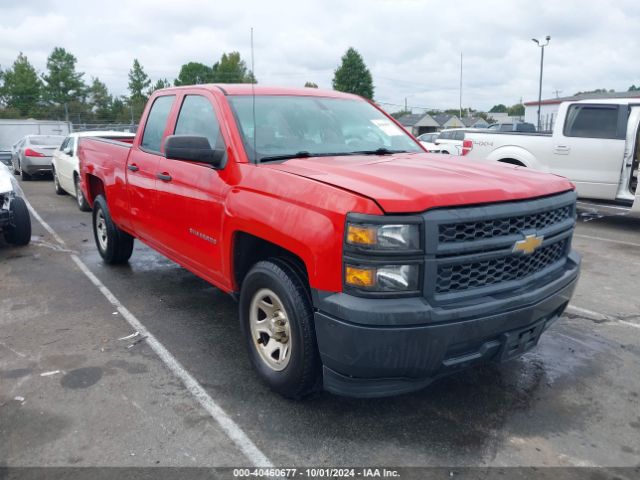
56	184
20	232
81	201
297	373
25	176
16	170
114	245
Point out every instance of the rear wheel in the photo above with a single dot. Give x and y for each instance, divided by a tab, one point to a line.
277	322
56	184
19	232
25	176
83	205
114	245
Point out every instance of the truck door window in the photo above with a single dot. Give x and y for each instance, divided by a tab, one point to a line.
197	117
156	123
592	121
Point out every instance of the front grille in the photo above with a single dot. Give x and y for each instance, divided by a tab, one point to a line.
497	227
463	276
469	250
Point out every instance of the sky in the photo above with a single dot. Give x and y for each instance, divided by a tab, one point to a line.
412	47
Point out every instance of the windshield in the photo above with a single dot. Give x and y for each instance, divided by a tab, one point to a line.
46	140
294	126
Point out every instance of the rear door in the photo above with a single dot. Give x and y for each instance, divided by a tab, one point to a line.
190	195
142	166
589	148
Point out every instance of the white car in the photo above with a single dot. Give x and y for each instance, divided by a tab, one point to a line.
453	141
66	168
428	140
15	222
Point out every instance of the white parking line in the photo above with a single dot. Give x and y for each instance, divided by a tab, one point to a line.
610	240
572	309
231	428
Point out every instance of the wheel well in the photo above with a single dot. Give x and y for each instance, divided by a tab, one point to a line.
512	161
95	187
249	249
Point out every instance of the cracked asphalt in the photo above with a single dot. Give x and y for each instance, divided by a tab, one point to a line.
73	393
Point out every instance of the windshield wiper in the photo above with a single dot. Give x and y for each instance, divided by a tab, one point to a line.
379	151
287	156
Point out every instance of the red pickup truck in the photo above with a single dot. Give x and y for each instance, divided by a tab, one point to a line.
362	264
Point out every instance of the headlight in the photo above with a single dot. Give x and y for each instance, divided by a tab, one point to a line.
383	278
384	237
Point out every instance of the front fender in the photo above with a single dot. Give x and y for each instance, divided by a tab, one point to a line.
300	215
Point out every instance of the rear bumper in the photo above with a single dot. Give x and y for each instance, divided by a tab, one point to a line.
35	165
372	347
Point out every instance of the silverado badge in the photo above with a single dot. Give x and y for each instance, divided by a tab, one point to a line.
529	245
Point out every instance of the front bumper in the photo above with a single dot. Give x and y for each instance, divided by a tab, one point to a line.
381	347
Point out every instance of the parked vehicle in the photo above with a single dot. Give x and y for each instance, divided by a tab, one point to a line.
524	127
33	155
594	143
5	154
15	222
361	263
428	140
452	141
65	166
13	130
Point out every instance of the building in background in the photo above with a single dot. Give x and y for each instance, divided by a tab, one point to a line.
419	123
13	130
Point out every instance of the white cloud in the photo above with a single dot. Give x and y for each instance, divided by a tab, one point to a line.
411	46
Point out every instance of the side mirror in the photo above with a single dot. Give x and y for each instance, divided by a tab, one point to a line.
67	151
193	148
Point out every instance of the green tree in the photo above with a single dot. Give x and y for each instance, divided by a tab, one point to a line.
159	85
516	110
232	69
353	76
119	111
194	73
139	83
100	100
21	88
63	85
633	88
499	108
311	85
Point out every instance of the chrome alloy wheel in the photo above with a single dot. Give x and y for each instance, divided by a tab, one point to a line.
101	230
270	329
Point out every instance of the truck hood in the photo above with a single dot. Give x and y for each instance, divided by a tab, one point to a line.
408	183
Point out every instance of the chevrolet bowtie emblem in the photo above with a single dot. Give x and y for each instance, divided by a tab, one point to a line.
529	245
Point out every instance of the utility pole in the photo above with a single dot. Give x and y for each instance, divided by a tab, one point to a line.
541	45
557	92
461	86
66	112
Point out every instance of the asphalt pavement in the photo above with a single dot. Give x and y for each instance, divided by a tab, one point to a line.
75	391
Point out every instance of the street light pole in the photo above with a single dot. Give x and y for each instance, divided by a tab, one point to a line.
541	45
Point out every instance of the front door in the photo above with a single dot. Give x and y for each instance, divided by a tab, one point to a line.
589	148
190	195
142	167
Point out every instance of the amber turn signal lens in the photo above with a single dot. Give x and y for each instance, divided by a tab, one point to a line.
361	235
359	277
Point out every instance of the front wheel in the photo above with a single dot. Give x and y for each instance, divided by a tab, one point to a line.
114	245
56	184
83	205
277	322
19	231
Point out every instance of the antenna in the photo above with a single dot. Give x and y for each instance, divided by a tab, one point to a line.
253	95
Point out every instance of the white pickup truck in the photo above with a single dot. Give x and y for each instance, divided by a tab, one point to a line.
594	143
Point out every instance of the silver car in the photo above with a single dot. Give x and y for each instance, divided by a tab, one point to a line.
33	155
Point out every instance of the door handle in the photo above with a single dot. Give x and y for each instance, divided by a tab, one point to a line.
165	177
562	149
133	168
